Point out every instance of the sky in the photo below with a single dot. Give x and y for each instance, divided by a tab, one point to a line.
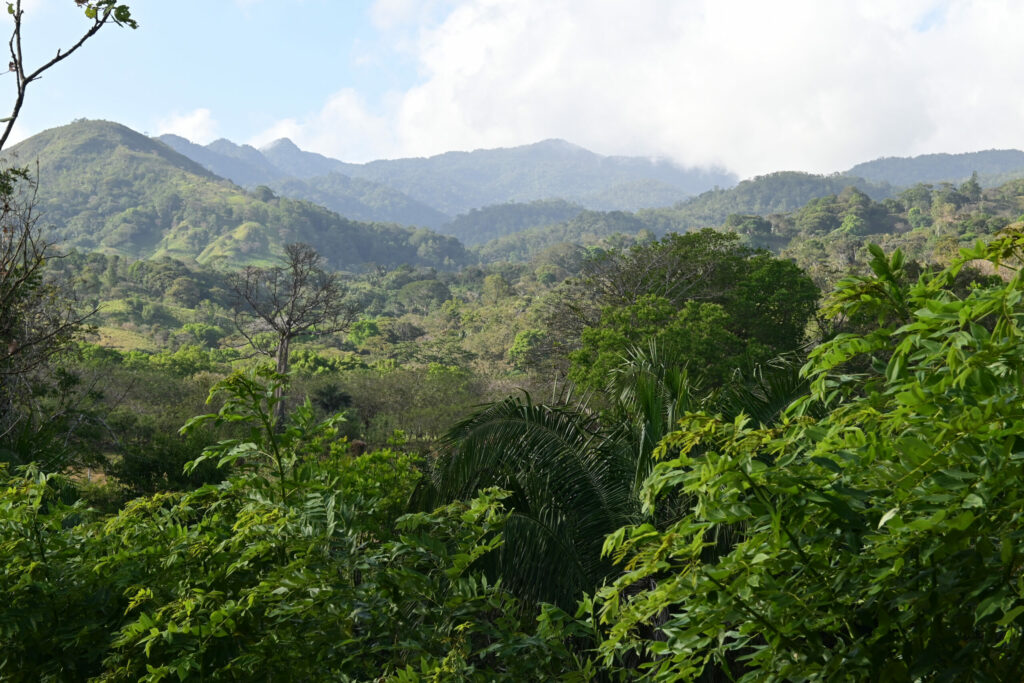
747	85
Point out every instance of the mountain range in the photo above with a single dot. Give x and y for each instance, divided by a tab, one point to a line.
105	187
431	191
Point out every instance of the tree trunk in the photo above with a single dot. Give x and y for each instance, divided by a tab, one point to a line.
282	369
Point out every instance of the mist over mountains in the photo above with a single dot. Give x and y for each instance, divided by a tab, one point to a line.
431	191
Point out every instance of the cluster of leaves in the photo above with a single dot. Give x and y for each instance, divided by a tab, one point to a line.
874	528
706	298
297	567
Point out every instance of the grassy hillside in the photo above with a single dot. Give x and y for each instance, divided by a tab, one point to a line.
105	187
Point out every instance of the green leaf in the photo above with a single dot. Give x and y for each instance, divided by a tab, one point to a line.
887	516
973	500
1011	615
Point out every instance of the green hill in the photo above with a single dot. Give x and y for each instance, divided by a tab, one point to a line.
105	187
360	199
995	166
761	196
491	222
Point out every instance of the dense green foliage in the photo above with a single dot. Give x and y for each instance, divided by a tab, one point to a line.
361	200
703	510
297	571
492	222
875	525
704	298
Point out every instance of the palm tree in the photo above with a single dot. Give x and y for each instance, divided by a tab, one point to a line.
570	486
575	474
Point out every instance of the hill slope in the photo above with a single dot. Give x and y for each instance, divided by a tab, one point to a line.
360	199
456	182
994	165
103	186
764	195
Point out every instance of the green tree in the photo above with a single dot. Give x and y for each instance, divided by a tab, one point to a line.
878	515
626	298
697	333
576	475
237	581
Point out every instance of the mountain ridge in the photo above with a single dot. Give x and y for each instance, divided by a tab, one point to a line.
104	187
456	182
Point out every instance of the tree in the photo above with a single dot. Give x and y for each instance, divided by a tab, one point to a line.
38	317
625	298
880	513
100	12
276	305
575	476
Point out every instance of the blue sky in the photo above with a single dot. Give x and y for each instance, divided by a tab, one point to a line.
815	85
252	63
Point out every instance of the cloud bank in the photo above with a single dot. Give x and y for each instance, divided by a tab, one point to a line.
197	125
749	85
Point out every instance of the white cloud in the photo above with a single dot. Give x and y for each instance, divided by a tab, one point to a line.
755	86
197	126
344	129
391	14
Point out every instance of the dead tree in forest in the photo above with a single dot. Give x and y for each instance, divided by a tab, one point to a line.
297	298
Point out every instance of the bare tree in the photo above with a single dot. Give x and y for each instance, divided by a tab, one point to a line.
99	12
276	305
37	316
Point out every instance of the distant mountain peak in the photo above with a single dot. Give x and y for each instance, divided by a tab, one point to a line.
166	137
281	145
560	145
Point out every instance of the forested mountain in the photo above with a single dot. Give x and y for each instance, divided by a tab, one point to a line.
103	186
491	222
286	156
303	175
457	182
993	167
762	196
226	160
360	199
